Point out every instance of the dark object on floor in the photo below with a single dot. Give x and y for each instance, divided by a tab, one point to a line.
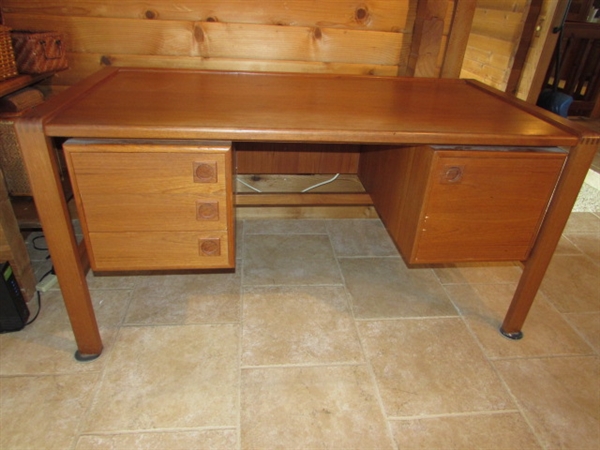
13	309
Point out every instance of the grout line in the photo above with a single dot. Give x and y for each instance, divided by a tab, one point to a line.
456	414
367	361
305	365
158	430
240	267
392	319
517	403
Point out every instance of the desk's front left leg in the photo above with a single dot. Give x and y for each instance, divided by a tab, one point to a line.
51	206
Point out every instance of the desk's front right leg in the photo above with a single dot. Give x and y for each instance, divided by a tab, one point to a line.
565	195
51	206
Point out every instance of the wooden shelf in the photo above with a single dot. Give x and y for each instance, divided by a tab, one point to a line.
11	85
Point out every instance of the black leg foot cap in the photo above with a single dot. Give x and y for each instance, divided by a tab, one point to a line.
82	357
514	336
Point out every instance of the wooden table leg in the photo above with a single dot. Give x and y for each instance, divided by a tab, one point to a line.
51	205
567	190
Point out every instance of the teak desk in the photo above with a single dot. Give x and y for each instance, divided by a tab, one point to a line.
150	157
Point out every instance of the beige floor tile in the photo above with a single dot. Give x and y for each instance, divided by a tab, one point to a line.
167	440
572	284
430	366
288	260
239	239
386	288
582	222
589	244
559	396
186	299
476	273
360	237
43	412
545	331
298	325
285	226
588	325
169	377
48	343
567	247
109	280
482	431
311	408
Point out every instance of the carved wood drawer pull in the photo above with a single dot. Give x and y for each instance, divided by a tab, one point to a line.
210	247
207	210
452	174
205	172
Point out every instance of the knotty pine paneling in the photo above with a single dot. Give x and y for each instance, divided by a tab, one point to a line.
494	40
85	64
380	15
339	36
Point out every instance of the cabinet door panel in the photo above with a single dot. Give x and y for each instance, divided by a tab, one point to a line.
492	210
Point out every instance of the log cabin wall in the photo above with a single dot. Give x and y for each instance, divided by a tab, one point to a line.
494	40
339	36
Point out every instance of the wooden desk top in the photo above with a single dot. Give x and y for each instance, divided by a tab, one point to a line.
149	103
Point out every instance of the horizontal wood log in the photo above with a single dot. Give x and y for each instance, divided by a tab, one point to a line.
501	5
503	25
289	199
382	15
220	40
82	65
495	34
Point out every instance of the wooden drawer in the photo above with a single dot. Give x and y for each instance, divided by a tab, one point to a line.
129	193
160	250
471	204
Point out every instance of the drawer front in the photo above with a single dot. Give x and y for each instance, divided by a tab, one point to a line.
153	200
160	250
484	206
164	173
155	212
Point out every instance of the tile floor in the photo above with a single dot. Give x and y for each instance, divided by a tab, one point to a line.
322	338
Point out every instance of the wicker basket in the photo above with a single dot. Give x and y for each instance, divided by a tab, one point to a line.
8	66
11	160
39	51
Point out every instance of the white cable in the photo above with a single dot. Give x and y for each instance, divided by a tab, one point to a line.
321	184
247	185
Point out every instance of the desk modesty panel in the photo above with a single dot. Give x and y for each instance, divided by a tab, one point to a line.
432	153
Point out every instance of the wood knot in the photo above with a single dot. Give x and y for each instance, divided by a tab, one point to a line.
317	33
198	33
212	19
151	14
361	15
106	60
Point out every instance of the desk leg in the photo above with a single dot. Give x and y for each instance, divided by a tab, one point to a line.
52	209
567	190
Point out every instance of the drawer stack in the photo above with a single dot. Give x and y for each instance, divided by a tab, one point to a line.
147	205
